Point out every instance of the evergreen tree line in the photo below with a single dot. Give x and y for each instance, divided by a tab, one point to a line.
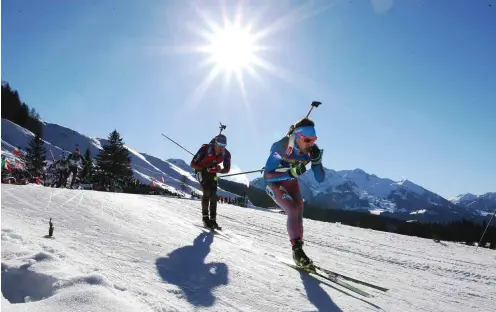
465	231
112	166
18	112
110	171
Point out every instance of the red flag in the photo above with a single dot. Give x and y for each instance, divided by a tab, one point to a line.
18	153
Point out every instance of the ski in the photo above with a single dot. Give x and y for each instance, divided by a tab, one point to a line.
215	231
204	227
335	280
333	274
227	236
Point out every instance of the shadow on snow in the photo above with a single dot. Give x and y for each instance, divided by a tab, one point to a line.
317	295
320	298
186	268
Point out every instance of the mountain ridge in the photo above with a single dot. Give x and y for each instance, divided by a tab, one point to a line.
358	190
484	204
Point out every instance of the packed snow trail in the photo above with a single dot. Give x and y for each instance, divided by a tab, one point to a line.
124	252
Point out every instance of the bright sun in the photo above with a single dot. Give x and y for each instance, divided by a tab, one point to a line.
232	48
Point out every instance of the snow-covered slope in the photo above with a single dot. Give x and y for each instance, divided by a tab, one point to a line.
181	164
484	204
358	190
60	140
15	136
123	252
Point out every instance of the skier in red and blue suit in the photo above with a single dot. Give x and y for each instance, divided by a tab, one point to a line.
287	161
206	165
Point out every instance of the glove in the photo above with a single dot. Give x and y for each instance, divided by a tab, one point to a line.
215	169
316	154
297	170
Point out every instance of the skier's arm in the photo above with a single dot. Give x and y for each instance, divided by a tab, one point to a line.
273	163
318	172
195	162
317	168
226	163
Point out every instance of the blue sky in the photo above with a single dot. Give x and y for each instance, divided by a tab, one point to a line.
408	87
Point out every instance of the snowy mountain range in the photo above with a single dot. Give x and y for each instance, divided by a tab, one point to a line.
484	204
59	141
358	190
345	189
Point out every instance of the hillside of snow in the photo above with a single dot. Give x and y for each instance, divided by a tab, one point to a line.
59	141
124	252
359	190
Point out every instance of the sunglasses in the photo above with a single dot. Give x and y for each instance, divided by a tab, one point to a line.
221	144
307	139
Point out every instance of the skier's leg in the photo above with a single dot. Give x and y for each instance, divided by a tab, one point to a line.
213	205
287	195
279	193
205	199
65	177
213	202
61	178
74	174
295	193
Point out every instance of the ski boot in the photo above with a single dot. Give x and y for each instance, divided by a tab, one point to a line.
214	225
207	223
299	256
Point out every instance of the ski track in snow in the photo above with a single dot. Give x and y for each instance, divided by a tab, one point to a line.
124	252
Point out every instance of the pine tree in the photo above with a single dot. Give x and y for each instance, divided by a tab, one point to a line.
35	156
87	172
114	162
18	112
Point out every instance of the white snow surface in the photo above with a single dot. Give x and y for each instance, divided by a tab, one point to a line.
125	252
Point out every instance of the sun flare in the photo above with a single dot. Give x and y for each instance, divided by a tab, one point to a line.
232	49
238	47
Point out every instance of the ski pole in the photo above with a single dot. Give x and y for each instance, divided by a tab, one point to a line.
488	223
233	174
178	144
253	171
